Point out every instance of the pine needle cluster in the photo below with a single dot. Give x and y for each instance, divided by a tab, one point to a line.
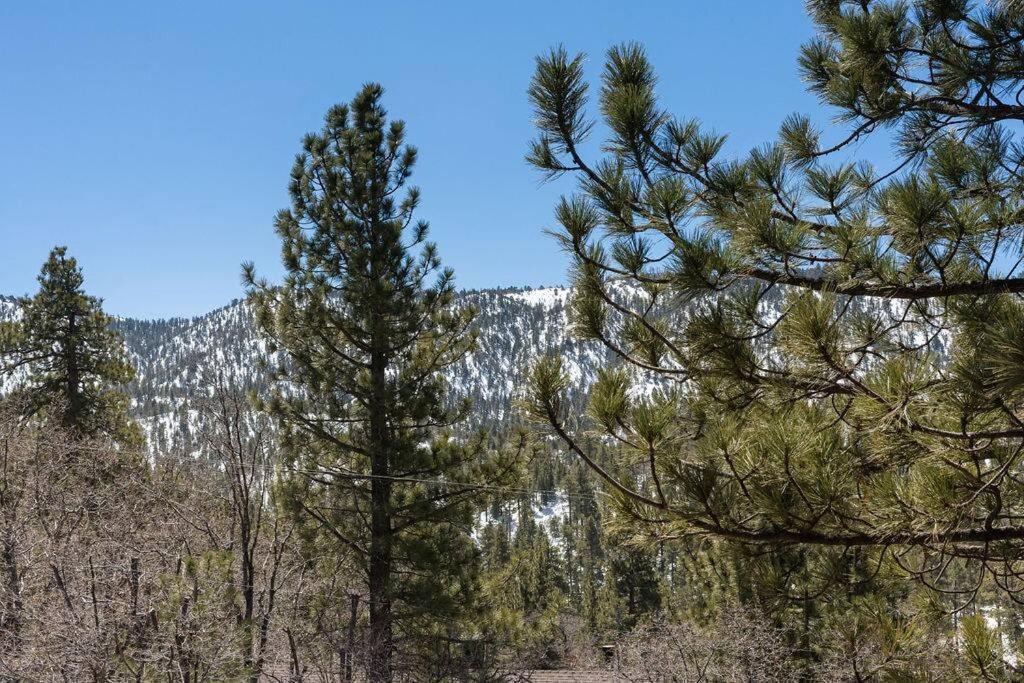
837	347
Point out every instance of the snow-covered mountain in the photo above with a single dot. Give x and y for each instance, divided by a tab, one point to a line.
177	359
174	358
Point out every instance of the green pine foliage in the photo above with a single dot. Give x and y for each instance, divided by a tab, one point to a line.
364	323
73	359
788	412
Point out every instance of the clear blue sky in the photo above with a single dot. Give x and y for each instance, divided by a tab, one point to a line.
155	139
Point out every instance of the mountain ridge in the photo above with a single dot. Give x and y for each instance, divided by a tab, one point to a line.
177	359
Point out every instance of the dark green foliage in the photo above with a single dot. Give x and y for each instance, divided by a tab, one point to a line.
74	360
633	573
833	350
364	327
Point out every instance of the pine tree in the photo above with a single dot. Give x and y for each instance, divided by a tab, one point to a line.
74	360
838	348
364	413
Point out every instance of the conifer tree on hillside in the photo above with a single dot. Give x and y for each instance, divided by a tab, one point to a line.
365	322
840	347
74	360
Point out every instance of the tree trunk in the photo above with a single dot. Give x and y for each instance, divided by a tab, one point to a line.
73	381
351	644
379	569
248	569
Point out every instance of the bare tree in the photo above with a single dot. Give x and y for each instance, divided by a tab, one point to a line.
237	441
737	647
74	517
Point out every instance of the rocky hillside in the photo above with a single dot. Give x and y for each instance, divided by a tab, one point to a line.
175	358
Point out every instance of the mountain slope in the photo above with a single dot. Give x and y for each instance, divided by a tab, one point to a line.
177	358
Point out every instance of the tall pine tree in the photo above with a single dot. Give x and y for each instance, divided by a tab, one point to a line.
73	360
365	321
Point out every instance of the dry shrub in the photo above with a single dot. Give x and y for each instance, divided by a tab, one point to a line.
75	520
740	646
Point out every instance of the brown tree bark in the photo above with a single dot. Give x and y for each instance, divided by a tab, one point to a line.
379	565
